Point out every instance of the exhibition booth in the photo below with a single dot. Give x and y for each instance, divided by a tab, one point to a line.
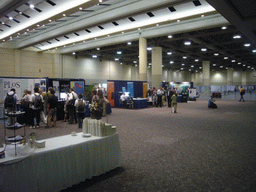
135	89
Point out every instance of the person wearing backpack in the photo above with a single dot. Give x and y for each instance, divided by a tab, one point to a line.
242	92
37	103
52	109
10	104
80	109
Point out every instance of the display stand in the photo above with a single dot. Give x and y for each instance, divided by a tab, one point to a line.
13	139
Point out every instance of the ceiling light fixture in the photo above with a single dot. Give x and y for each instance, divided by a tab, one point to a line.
247	44
225	57
184	57
171	62
169	36
94	56
129	43
233	61
187	43
224	27
196	60
203	49
254	51
169	53
237	37
216	54
119	52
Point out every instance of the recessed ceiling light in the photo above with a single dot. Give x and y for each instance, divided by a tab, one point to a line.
254	51
184	57
73	53
192	65
216	54
233	61
182	64
187	43
200	67
116	59
178	20
94	56
119	52
64	15
129	43
244	65
11	18
134	61
203	49
80	8
149	64
169	53
239	63
181	68
224	27
121	63
136	65
50	20
196	60
149	48
221	66
225	57
247	44
98	48
237	36
248	66
214	64
169	36
171	62
31	6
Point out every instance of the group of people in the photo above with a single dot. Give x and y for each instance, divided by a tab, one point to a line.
36	106
161	95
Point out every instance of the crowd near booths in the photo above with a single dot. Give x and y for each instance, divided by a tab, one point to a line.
219	91
135	89
19	84
22	83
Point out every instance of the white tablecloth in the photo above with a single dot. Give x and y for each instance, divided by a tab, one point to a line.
65	161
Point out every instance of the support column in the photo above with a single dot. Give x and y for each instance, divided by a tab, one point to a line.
230	76
157	70
17	69
244	78
143	59
206	75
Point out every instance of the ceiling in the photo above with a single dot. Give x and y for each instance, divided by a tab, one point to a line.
104	28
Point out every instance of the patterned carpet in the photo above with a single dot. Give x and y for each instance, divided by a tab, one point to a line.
197	149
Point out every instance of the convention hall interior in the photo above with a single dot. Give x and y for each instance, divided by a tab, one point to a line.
209	43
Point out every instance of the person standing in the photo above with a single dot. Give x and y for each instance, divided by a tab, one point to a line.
25	101
37	102
45	100
71	107
174	101
52	109
10	104
159	97
242	92
80	109
169	96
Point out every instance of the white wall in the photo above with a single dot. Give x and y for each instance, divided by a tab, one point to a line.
18	63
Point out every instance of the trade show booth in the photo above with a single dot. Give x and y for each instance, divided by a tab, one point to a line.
136	89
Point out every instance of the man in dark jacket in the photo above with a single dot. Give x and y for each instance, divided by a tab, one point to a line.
52	109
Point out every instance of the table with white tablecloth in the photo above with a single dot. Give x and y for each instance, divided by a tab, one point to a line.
65	161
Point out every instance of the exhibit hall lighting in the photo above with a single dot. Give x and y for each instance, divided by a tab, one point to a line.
44	15
237	37
184	12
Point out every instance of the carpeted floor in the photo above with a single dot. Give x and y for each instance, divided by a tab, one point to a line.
197	149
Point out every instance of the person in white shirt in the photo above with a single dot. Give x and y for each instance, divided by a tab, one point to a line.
71	108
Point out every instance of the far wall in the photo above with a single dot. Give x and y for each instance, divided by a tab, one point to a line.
17	63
